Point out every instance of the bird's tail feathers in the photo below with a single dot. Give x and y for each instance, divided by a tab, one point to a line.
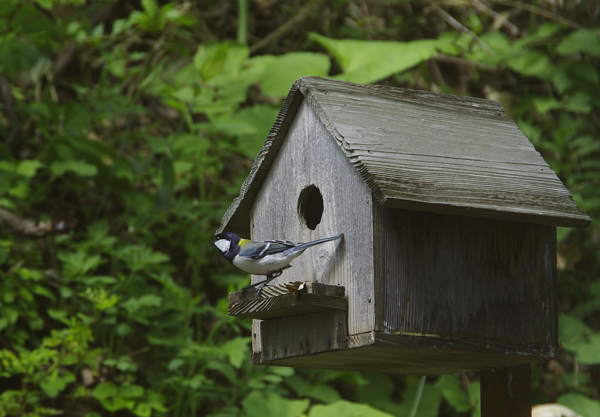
304	246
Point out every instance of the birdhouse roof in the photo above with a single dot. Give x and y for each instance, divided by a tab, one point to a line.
423	151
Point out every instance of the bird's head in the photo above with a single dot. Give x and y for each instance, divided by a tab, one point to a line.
226	241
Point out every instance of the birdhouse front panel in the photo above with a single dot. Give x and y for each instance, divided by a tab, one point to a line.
312	191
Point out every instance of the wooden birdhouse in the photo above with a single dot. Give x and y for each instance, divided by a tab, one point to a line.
449	215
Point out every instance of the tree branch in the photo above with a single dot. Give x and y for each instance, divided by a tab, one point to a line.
25	226
287	26
460	27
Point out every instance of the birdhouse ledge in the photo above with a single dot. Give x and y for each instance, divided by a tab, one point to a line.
284	300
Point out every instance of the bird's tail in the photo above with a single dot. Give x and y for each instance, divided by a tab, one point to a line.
304	246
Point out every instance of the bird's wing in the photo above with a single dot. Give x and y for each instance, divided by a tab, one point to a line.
257	250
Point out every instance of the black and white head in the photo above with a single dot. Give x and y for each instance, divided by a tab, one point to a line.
227	243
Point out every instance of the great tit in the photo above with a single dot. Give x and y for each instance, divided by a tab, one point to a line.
268	258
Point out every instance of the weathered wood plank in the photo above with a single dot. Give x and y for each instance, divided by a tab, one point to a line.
434	149
308	157
308	334
416	355
531	351
465	277
278	301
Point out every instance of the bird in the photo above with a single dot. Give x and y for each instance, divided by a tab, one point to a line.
269	257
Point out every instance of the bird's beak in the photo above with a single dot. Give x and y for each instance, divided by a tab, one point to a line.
212	243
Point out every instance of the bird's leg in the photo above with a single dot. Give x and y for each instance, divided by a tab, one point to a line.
270	277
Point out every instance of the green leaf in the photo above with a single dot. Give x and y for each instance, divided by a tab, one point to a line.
46	4
320	392
17	55
187	143
43	291
135	303
284	70
56	382
450	387
474	391
131	391
546	104
346	409
237	350
588	352
580	404
105	390
579	102
142	410
584	72
379	394
260	404
78	167
497	41
531	63
259	119
379	388
370	61
545	31
429	405
79	263
156	401
219	63
175	364
580	339
28	168
580	41
78	117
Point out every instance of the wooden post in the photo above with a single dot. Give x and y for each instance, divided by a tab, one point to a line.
506	392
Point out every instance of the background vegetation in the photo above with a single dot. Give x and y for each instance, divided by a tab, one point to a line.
128	127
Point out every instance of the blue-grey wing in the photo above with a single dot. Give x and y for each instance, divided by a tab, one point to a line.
257	250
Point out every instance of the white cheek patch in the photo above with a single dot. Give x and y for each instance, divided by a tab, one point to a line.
223	245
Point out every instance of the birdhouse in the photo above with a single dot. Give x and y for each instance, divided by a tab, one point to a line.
449	216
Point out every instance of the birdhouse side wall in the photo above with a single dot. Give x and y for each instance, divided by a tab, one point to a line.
310	157
463	277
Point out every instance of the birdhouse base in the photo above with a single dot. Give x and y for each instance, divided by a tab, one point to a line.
285	300
414	355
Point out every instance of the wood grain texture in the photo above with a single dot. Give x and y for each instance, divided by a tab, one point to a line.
423	151
417	355
308	334
438	151
277	301
308	157
456	276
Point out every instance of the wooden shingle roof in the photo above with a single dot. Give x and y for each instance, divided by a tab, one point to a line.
424	151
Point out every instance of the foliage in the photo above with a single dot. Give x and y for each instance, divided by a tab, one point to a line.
128	129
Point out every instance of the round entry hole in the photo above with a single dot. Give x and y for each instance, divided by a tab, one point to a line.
310	206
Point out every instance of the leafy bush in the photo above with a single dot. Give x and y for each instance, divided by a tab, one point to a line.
128	130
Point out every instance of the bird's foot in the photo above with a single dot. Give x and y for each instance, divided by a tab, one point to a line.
270	277
243	290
